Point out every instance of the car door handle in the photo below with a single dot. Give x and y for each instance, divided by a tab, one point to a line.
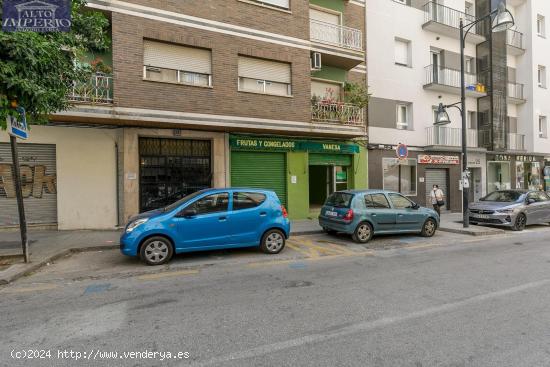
263	214
222	219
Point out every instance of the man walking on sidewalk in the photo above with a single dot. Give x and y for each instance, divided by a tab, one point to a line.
437	199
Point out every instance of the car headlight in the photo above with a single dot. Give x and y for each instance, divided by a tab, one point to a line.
507	211
133	225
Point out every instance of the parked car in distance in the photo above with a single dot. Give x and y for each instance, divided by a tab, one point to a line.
511	208
364	213
209	219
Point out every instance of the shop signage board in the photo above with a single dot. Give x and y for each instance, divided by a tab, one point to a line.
438	159
289	145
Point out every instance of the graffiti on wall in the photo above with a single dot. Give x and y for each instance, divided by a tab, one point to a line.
34	181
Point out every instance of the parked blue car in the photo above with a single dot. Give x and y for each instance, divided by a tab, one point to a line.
210	219
365	213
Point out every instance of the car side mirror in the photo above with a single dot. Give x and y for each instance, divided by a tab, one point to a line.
415	206
187	213
531	201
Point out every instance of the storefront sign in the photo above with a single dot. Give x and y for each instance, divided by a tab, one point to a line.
36	15
474	162
274	144
526	158
502	158
438	159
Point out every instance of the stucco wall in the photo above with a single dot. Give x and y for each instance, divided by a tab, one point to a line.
86	180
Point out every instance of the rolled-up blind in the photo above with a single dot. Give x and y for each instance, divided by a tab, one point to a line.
280	3
169	56
274	71
324	16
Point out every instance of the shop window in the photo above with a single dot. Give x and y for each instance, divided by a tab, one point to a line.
341	177
400	175
498	176
247	200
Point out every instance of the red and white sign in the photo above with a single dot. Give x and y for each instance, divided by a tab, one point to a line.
438	159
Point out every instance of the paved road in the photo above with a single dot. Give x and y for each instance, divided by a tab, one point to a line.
401	301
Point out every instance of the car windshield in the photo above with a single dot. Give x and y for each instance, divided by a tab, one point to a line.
339	200
504	196
182	201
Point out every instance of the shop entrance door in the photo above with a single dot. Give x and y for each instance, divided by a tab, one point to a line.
438	177
171	169
476	189
327	173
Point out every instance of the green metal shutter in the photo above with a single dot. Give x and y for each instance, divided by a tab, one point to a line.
329	159
261	170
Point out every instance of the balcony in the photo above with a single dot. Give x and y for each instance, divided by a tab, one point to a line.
337	112
446	21
448	81
515	93
450	137
515	142
98	90
514	42
341	46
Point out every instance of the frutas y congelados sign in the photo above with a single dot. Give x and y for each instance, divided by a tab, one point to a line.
274	144
36	15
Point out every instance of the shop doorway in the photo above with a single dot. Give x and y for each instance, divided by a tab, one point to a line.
476	187
171	169
323	181
439	177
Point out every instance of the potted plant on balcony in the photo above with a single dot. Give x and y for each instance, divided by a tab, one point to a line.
357	95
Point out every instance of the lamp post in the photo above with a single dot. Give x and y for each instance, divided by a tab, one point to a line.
502	21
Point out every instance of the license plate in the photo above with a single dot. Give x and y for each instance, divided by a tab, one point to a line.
481	216
329	213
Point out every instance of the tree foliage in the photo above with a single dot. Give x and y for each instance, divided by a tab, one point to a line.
37	69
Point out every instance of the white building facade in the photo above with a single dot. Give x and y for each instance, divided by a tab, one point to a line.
414	64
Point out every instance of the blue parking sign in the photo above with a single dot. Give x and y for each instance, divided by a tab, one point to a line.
17	125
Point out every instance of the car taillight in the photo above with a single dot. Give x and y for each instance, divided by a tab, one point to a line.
349	215
285	213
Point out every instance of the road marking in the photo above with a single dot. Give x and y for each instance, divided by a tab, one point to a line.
416	247
365	326
297	248
309	259
342	248
320	249
38	287
167	274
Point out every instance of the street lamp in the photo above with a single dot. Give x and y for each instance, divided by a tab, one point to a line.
502	21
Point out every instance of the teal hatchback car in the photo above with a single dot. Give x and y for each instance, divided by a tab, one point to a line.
365	213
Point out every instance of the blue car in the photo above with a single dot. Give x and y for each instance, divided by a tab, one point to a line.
365	213
210	219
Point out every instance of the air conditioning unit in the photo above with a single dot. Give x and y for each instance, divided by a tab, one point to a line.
316	60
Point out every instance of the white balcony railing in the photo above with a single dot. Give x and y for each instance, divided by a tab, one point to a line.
515	90
515	141
449	77
448	136
335	35
514	38
434	12
337	112
95	90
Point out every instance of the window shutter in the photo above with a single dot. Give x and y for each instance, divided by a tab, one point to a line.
324	16
280	3
274	71
165	55
401	52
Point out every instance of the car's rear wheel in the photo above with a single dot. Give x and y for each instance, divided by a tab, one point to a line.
156	251
521	222
429	228
363	233
273	241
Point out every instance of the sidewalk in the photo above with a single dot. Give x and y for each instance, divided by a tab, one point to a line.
47	246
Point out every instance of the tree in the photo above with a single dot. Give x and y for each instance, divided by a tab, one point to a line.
37	69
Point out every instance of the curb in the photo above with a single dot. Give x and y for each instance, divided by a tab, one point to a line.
472	233
30	268
302	233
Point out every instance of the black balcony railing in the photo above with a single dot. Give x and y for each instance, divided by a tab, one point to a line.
434	12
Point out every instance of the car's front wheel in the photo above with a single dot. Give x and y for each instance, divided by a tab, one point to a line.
363	233
273	241
429	228
156	251
521	222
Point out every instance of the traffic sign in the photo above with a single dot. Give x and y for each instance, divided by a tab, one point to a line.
402	151
17	125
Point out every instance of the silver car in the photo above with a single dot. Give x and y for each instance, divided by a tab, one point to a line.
512	208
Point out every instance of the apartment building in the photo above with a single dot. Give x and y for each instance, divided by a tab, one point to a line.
416	67
197	94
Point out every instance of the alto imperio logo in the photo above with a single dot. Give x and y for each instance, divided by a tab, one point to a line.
36	15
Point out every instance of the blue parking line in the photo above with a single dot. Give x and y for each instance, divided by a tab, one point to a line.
297	266
97	288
